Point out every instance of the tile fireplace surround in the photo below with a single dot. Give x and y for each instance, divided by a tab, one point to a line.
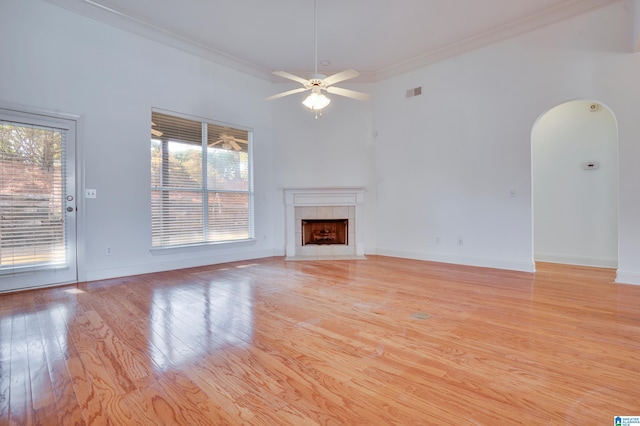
323	203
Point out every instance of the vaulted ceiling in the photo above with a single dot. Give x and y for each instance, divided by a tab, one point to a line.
379	38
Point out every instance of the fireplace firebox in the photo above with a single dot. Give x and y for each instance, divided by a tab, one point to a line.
325	231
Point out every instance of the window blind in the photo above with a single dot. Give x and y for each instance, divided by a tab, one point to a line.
201	182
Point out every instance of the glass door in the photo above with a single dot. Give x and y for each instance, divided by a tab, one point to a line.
37	201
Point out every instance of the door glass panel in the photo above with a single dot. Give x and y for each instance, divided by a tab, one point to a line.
31	193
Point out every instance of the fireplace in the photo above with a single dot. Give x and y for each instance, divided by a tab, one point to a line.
324	223
325	231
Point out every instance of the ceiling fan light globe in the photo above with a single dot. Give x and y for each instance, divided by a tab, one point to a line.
316	101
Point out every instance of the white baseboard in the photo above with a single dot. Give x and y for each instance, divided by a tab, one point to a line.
162	265
577	260
627	278
508	264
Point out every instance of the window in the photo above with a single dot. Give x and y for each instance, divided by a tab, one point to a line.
201	184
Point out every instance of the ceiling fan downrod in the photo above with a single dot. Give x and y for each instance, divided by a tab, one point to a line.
315	33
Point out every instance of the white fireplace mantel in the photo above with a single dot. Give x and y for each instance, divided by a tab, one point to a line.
336	197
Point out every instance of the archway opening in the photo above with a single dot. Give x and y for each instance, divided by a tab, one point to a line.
574	151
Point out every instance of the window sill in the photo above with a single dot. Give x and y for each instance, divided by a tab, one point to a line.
159	251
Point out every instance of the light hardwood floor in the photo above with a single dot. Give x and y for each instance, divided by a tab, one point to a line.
372	342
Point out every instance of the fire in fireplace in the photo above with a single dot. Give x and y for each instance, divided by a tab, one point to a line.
325	231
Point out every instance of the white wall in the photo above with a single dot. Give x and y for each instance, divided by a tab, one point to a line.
335	150
575	210
448	160
56	60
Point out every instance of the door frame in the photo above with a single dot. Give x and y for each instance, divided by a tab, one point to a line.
76	121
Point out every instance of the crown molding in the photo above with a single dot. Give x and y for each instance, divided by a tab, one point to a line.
145	29
512	29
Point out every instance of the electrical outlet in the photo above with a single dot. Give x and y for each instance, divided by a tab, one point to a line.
90	193
460	240
107	251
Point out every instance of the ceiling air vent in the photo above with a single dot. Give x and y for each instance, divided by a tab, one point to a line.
416	91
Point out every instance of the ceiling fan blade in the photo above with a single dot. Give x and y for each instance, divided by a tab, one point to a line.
283	94
156	133
341	76
348	93
292	77
234	145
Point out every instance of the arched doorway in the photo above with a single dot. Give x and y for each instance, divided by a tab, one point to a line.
574	151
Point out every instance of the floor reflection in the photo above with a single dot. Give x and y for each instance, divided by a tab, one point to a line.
198	319
33	342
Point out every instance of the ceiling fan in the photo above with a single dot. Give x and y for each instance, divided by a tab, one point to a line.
316	101
228	142
154	132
